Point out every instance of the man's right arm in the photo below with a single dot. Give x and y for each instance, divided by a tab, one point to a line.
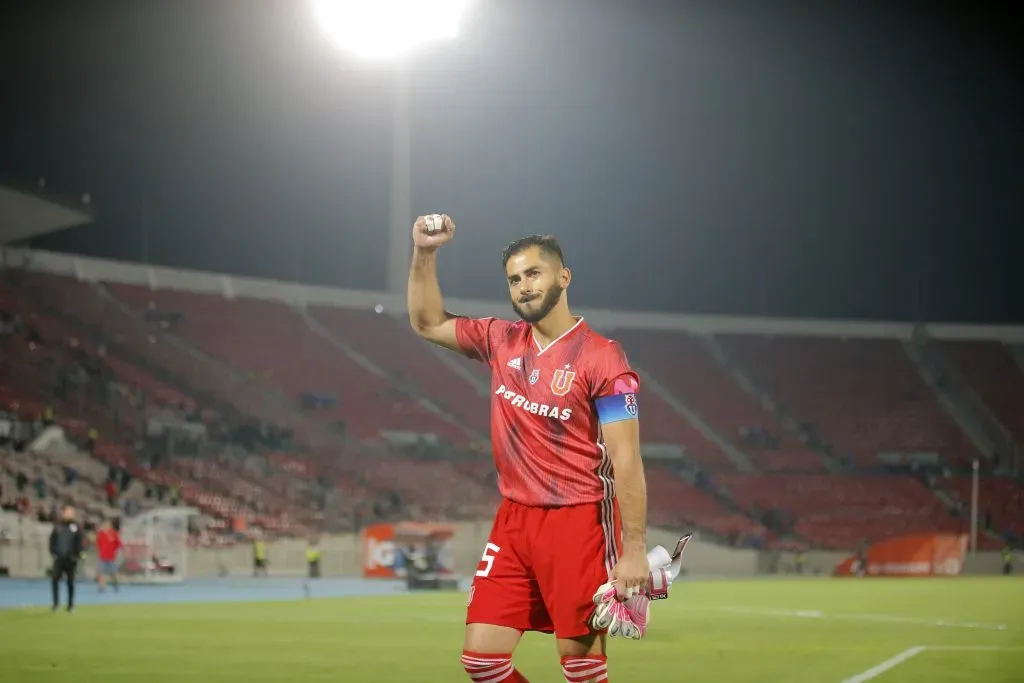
427	315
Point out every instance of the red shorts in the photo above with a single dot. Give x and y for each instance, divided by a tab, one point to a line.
541	567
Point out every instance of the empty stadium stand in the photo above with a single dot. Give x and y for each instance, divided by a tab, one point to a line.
1000	505
272	341
247	358
686	367
843	511
863	396
391	344
990	369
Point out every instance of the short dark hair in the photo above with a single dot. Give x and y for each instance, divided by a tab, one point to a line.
546	243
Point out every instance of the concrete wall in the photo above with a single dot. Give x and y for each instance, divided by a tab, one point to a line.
341	555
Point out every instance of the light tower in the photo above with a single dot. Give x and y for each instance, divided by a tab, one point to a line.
392	30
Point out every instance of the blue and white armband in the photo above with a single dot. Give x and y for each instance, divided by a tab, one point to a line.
616	408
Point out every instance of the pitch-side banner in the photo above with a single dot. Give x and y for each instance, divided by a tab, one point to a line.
379	551
381	559
917	555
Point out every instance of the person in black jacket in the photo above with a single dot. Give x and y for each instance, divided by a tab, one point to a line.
66	545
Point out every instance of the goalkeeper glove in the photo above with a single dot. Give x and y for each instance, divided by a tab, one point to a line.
629	618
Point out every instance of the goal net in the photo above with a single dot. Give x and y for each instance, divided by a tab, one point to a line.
156	545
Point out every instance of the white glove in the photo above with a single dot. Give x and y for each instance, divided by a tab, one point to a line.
629	618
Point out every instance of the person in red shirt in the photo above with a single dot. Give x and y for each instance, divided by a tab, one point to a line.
565	436
108	545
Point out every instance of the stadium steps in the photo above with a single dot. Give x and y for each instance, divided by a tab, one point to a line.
409	361
117	348
961	510
262	389
738	458
1002	435
266	402
1001	497
451	361
956	396
708	390
782	414
321	329
28	374
993	375
732	505
89	466
1018	355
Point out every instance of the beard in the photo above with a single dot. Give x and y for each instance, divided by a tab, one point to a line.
539	309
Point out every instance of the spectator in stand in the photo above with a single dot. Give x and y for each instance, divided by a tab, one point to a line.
108	545
90	442
110	488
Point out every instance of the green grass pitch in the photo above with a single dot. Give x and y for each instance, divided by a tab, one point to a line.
792	631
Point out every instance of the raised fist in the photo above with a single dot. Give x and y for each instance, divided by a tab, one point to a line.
433	230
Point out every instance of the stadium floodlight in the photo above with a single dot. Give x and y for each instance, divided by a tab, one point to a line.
386	30
383	29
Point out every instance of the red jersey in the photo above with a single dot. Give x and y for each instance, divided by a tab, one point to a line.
547	405
107	545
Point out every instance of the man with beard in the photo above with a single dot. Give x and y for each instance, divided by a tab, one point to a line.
566	445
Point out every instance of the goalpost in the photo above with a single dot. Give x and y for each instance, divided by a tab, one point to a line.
156	545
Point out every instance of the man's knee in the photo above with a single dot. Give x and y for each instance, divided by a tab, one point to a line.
491	638
487	653
583	646
585	669
482	666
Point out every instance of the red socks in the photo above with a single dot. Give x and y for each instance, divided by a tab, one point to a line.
587	669
490	668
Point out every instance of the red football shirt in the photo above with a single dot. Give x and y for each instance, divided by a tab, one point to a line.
545	430
107	545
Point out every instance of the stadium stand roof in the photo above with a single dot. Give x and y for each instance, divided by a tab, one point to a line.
26	213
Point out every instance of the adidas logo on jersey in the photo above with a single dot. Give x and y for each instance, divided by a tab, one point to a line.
516	363
541	409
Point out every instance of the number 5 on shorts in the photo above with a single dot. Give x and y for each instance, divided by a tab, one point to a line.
490	550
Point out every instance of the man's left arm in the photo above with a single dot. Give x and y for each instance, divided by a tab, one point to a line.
622	439
615	398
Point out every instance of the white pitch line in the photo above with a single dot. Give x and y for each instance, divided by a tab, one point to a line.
975	648
886	665
875	618
879	669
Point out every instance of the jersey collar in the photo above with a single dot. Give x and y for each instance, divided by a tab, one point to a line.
541	350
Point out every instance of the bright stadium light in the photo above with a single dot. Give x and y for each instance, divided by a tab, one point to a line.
387	28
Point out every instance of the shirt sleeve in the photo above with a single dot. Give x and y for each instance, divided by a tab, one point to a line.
479	337
615	386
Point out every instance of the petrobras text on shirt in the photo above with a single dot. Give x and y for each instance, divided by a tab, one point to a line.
540	409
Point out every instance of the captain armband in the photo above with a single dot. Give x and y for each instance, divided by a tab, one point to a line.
616	408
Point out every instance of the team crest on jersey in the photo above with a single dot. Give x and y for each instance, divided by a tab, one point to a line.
534	376
631	404
561	381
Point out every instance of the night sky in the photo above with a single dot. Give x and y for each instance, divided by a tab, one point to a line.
834	159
